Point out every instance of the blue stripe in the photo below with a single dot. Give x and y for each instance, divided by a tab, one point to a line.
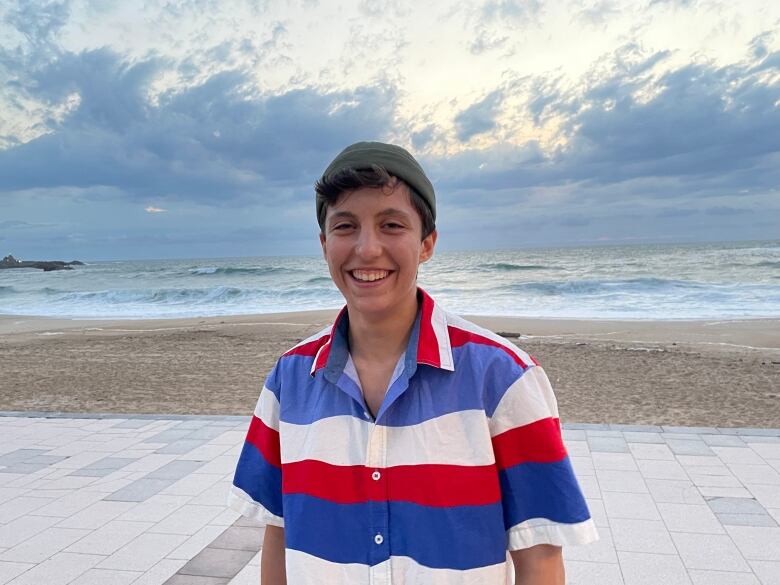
461	537
542	490
481	377
258	478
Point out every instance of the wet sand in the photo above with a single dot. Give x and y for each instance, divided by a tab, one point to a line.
699	372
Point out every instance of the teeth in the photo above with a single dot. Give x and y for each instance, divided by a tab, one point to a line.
369	275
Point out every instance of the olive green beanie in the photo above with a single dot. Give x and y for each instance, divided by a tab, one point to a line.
395	160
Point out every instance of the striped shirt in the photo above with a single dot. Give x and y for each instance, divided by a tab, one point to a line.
463	463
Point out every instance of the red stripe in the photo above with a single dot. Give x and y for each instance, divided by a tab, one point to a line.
266	440
459	337
428	343
537	442
311	348
428	485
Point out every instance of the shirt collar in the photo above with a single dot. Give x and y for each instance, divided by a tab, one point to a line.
429	341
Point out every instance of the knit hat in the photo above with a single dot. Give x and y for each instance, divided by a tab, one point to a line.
396	160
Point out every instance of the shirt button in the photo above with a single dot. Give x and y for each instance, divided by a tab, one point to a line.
376	475
378	539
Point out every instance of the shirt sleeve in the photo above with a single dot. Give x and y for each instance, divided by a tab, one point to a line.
257	484
541	498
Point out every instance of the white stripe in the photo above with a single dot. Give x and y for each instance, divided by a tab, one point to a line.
267	409
242	502
462	323
543	531
439	319
458	438
306	569
528	399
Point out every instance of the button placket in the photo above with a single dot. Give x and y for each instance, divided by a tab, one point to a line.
378	508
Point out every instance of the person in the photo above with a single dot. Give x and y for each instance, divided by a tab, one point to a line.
403	444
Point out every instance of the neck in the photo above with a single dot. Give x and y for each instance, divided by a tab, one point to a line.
383	339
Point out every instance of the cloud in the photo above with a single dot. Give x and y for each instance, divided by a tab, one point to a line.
151	209
220	140
478	117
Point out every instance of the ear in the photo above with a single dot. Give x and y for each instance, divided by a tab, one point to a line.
322	243
427	246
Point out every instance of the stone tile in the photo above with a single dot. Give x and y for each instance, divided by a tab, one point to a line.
681	436
651	451
595	506
757	543
702	577
631	506
709	551
168	436
23	528
143	553
582	465
617	461
133	424
670	430
578	448
240	538
756	474
160	572
103	466
96	515
568	435
197	542
192	485
577	573
610	480
589	486
10	570
641	536
713	477
746	519
226	518
217	562
250	574
139	490
738	455
44	545
21	456
724	492
685	447
723	440
181	446
106	577
187	520
690	518
175	470
18	507
222	464
657	469
655	429
633	437
110	537
652	569
674	491
214	495
69	504
150	462
766	450
155	508
768	572
608	444
767	495
735	506
60	569
196	580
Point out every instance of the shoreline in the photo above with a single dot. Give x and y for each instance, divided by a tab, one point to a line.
710	373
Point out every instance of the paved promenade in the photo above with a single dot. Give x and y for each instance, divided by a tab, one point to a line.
107	500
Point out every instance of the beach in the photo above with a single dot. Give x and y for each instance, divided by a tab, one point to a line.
681	372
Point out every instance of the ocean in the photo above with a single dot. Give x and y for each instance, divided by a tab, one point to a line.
726	280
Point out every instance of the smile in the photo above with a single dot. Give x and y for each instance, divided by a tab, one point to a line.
369	275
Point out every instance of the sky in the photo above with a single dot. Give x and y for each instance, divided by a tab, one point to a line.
197	128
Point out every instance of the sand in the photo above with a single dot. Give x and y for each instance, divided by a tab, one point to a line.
699	372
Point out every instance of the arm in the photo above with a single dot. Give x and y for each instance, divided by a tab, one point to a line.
272	568
539	565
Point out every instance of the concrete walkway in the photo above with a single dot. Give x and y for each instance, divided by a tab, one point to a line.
99	500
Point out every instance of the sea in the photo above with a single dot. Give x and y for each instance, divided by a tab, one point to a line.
723	280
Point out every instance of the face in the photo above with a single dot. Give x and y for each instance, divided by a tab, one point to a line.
372	243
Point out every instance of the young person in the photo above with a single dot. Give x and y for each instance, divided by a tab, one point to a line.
403	444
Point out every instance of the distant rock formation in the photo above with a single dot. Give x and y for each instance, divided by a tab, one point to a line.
46	265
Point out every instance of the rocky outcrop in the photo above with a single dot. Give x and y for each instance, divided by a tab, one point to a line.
45	265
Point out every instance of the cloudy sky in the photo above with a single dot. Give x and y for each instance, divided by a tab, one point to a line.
196	128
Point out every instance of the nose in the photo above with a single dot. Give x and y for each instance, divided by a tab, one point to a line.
368	244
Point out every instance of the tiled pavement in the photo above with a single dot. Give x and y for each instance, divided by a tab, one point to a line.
107	500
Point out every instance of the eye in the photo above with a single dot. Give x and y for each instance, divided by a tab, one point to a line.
341	227
393	225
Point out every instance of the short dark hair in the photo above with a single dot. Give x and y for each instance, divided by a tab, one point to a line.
330	188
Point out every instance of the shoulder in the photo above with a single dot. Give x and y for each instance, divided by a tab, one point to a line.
309	346
468	335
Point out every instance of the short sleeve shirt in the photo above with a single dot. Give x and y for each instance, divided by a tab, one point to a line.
463	462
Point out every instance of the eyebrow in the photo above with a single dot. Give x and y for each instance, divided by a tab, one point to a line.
384	213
